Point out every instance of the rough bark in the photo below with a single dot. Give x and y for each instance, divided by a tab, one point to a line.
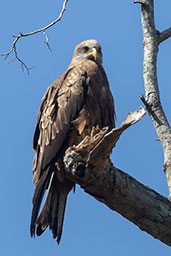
88	164
151	40
141	205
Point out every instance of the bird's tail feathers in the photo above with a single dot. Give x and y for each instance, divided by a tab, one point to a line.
52	214
40	188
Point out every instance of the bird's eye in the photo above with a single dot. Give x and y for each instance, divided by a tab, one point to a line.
86	49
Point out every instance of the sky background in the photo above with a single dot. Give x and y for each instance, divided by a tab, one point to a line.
90	228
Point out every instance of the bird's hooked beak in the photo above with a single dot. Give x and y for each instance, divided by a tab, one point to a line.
93	53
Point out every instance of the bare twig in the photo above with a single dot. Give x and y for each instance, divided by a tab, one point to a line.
12	49
17	37
164	35
23	65
47	41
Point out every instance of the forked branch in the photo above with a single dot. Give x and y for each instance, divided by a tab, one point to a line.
43	30
151	40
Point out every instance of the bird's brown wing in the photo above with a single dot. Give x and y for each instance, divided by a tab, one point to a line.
60	105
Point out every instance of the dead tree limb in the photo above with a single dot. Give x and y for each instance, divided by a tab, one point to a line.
88	165
151	40
43	30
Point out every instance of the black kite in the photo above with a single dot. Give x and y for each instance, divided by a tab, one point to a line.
78	100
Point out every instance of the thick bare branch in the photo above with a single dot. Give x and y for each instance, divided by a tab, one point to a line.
164	35
139	204
43	30
88	165
151	40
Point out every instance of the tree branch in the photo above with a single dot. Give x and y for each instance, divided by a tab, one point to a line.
151	40
164	35
139	204
43	30
88	165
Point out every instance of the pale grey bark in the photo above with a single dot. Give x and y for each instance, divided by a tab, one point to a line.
141	205
151	40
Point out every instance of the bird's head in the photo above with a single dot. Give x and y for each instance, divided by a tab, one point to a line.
88	50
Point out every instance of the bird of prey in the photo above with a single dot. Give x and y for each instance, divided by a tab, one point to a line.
74	103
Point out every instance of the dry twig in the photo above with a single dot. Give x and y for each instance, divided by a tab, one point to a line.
43	30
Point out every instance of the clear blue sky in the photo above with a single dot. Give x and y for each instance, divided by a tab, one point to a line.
90	228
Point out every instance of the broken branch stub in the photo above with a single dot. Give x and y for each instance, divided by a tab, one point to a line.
95	149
